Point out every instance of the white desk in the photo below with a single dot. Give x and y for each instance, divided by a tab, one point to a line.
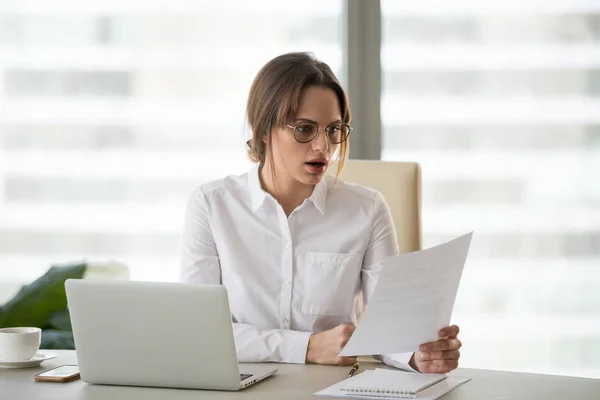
297	382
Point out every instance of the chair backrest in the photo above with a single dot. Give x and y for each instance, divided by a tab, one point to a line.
400	184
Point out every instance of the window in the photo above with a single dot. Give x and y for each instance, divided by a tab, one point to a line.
112	112
500	106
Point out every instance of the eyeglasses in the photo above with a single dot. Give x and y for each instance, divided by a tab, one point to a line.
307	131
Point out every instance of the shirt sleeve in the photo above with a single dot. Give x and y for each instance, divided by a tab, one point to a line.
383	243
254	344
200	264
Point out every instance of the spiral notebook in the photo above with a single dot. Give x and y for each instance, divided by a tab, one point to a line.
392	384
384	382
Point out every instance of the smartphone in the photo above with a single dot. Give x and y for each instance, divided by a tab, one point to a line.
64	373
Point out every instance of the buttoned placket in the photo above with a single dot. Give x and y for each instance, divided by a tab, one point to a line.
287	270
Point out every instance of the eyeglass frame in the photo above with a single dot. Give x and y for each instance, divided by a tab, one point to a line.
318	129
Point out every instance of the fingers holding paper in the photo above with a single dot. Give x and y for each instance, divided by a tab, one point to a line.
440	356
449	332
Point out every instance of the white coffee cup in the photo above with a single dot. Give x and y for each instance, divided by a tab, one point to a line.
19	344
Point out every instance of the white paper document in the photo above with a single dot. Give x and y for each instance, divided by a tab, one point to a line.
412	301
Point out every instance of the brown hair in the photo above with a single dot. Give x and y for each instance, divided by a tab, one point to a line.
275	96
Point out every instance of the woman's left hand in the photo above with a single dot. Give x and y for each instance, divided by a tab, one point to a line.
440	356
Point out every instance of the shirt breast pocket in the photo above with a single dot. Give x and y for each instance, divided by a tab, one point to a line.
330	281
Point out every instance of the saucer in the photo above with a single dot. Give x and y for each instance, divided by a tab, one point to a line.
36	360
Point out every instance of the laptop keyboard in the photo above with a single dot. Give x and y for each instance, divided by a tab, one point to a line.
244	376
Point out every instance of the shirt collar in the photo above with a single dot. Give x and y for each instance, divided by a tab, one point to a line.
319	195
257	194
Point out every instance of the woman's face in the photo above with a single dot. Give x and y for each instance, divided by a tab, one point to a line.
307	162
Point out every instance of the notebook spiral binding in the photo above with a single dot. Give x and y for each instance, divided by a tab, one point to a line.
378	392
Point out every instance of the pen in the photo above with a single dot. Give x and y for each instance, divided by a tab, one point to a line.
353	370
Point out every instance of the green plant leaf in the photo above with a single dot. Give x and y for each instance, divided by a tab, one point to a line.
60	320
60	340
35	303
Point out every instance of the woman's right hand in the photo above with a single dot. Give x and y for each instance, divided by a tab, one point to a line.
324	347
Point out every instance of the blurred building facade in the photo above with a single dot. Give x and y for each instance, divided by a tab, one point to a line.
500	104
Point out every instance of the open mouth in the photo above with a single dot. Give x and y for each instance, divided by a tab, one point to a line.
316	167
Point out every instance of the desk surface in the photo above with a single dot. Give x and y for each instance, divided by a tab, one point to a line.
296	382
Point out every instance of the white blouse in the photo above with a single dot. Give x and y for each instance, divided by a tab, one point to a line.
288	277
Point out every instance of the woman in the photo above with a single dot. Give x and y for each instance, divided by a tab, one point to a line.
297	250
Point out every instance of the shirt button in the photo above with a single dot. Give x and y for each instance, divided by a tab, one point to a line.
288	245
287	283
285	321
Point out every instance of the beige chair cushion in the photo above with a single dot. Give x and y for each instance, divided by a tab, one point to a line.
400	184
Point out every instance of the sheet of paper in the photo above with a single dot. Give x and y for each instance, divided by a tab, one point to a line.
412	300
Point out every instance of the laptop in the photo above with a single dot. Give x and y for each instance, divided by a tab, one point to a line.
157	334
